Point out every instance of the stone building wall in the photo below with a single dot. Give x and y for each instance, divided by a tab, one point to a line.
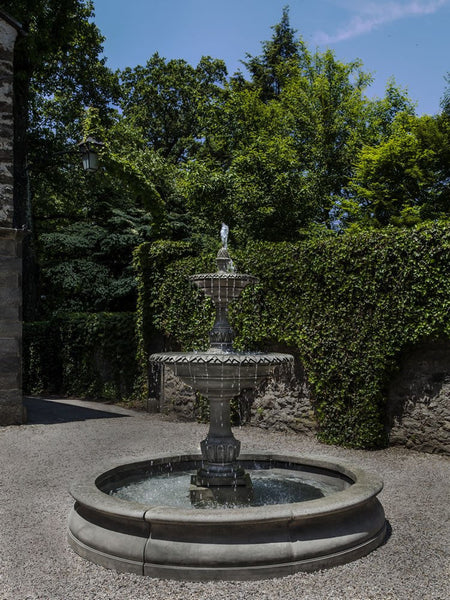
8	36
11	408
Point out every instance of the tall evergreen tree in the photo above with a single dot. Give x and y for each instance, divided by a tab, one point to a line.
445	101
270	70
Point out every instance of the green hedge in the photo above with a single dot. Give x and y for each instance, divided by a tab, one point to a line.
350	304
82	354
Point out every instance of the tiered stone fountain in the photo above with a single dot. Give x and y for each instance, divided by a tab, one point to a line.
220	374
315	513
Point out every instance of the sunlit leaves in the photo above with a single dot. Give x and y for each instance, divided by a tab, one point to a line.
406	178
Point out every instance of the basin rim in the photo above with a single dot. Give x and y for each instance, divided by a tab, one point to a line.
224	275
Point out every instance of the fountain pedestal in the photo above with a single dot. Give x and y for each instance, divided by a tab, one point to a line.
221	479
220	373
220	449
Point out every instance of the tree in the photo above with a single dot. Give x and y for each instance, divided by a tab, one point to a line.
404	179
88	227
445	101
270	71
88	267
169	102
328	112
274	167
58	73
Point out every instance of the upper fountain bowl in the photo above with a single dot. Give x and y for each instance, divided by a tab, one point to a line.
225	285
222	287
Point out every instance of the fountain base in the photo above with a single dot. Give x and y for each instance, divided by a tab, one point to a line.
235	491
252	542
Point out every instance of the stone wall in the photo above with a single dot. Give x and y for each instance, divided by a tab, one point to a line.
11	411
7	39
418	407
172	396
11	408
281	404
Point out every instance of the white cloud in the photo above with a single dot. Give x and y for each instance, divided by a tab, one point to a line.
372	14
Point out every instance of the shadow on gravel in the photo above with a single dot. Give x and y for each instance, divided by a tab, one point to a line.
46	412
388	533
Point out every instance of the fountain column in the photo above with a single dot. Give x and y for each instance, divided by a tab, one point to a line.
220	449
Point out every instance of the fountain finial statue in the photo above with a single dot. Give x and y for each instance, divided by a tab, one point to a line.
224	262
224	235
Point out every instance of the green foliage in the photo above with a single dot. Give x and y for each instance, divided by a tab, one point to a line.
279	156
58	69
291	153
349	303
381	112
89	355
169	102
297	147
42	369
87	267
404	179
167	301
58	75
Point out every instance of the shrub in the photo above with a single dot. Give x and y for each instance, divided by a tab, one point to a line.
82	354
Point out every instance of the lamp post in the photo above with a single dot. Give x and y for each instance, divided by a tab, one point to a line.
89	153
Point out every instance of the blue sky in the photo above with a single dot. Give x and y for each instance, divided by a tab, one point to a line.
407	39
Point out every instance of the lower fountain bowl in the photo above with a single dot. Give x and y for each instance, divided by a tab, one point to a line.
253	542
219	373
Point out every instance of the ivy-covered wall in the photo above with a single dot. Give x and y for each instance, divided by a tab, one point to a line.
82	354
350	304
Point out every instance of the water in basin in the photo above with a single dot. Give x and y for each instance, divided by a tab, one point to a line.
270	486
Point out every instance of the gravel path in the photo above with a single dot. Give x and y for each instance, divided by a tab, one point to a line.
39	462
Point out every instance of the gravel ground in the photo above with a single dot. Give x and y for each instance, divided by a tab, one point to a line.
40	461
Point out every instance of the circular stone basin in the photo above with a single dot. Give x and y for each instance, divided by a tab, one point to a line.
342	522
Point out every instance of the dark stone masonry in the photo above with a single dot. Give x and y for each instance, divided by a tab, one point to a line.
418	400
11	407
